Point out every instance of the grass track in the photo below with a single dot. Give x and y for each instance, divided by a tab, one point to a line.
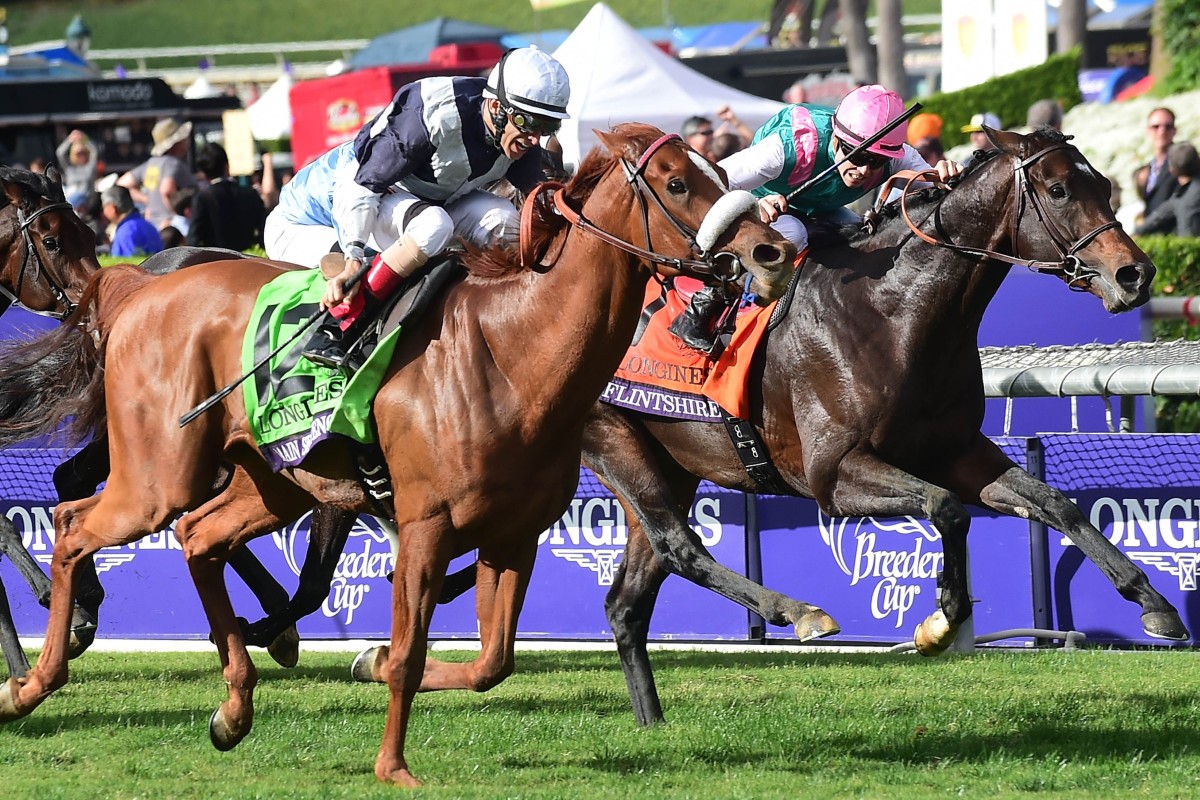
800	725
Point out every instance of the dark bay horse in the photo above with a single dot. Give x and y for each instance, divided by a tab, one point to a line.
872	396
47	256
480	418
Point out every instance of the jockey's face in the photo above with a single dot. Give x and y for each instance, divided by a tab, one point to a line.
854	174
514	142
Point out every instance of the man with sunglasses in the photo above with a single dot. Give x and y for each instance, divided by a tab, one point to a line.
799	142
413	179
1154	180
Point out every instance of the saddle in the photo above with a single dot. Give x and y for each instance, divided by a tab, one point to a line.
404	307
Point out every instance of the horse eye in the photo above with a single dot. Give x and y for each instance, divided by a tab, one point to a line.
50	243
676	186
1057	191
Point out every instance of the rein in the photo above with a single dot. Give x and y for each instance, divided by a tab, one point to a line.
1078	275
31	256
705	266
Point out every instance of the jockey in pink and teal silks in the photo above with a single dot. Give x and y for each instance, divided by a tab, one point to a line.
797	143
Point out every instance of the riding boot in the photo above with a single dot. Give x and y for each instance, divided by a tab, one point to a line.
696	325
341	330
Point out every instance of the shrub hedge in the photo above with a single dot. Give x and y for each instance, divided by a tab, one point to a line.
1009	96
1181	37
1178	263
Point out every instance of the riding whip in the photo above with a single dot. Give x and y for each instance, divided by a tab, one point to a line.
872	139
213	399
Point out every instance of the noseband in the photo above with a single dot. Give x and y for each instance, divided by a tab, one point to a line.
31	256
1078	275
705	265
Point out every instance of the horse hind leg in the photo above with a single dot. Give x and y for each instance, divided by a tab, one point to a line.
629	607
208	535
123	521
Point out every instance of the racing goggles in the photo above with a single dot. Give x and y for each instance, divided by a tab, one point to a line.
530	123
865	158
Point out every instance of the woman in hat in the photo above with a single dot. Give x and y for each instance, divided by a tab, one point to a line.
155	183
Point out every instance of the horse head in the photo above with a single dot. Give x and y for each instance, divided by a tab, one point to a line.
685	215
1063	220
46	252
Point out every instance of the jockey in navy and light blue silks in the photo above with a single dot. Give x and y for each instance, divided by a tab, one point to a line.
797	143
414	178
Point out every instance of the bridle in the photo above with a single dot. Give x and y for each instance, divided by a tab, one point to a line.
706	264
1078	275
31	256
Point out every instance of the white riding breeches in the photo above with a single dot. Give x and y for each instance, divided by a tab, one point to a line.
478	217
793	229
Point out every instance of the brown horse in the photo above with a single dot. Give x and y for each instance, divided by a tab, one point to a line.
47	256
480	417
872	396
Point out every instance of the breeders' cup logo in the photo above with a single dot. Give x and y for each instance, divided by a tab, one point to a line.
1159	532
366	557
592	533
891	556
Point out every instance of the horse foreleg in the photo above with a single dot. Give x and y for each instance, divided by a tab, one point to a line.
865	485
326	539
10	643
283	644
421	560
1014	491
629	607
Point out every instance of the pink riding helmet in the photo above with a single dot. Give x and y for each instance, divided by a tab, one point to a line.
863	112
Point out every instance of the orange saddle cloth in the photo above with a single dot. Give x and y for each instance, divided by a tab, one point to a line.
660	375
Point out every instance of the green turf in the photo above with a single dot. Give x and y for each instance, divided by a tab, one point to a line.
1052	724
161	23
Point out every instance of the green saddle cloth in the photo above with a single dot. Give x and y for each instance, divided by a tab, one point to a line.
293	403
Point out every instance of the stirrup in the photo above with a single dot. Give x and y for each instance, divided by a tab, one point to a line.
326	348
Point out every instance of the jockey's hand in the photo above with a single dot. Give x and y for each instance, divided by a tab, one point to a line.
771	206
335	289
947	170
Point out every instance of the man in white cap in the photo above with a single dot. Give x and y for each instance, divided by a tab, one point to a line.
413	179
155	183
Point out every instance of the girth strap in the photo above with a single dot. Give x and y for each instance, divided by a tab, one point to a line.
754	456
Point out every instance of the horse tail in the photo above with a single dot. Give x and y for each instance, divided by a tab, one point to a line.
58	377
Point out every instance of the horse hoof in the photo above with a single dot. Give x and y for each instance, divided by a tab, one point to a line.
81	639
8	707
222	736
934	635
816	625
1164	625
286	648
366	664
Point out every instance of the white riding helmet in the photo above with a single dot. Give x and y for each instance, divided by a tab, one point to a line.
533	81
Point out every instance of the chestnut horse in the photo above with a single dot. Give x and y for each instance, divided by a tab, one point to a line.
480	417
47	255
872	396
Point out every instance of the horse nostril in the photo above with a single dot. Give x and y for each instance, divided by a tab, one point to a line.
768	255
1131	276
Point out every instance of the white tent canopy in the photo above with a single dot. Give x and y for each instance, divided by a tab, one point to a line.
618	76
271	114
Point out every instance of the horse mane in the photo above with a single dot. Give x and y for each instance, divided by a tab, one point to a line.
501	260
32	182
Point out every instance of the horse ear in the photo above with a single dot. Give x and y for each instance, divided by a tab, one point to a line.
53	175
1004	140
617	144
11	190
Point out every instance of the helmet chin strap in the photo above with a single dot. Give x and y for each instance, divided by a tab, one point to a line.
500	115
